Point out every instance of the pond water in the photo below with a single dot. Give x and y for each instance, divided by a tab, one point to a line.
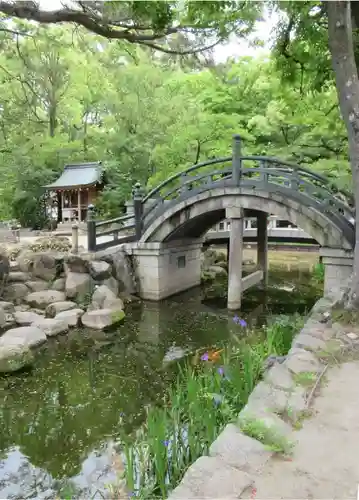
60	422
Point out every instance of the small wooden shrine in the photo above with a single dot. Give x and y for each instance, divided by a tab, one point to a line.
78	187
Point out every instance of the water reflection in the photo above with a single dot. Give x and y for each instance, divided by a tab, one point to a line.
61	420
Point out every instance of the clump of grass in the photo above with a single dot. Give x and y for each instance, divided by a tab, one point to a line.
210	390
318	273
268	435
306	379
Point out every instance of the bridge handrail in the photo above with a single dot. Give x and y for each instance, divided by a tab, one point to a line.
271	163
267	165
173	177
266	172
115	220
302	182
191	180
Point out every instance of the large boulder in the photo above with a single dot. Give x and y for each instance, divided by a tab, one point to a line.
17	277
44	265
122	271
22	308
112	284
14	357
52	326
102	318
71	317
7	306
15	292
53	309
26	318
47	266
100	270
104	298
78	286
25	260
42	299
37	286
59	284
26	336
75	263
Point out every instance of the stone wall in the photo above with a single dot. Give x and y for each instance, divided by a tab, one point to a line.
46	292
276	405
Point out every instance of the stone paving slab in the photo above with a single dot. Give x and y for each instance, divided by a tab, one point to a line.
305	341
301	361
325	462
279	377
238	450
210	477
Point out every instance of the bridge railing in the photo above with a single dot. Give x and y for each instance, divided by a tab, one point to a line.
107	233
254	173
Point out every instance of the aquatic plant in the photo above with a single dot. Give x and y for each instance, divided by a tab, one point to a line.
318	273
207	394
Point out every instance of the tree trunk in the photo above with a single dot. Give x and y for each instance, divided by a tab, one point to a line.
347	83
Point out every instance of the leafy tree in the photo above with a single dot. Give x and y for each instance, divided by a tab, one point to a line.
316	36
303	38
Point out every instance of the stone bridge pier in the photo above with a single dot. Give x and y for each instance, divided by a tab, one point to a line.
164	269
167	268
338	266
237	284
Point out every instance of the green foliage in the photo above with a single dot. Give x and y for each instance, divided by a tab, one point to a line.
307	379
318	273
205	397
270	437
72	96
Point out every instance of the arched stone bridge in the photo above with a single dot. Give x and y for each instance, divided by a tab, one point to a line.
171	220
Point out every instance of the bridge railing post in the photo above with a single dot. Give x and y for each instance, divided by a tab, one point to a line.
236	160
137	196
91	228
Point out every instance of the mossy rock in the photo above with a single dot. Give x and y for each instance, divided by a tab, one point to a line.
16	360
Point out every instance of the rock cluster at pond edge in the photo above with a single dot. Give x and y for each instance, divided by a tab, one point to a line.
46	293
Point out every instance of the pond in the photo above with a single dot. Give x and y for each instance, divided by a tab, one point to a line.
60	421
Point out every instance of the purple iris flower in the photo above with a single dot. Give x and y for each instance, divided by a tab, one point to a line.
205	357
165	443
220	370
236	319
239	321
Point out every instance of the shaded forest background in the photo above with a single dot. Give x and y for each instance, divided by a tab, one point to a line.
69	96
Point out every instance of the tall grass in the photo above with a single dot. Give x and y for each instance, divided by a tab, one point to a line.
318	273
207	394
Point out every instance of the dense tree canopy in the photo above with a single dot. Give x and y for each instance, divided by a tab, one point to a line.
69	95
69	92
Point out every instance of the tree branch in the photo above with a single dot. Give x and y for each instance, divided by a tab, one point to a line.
93	21
16	33
182	52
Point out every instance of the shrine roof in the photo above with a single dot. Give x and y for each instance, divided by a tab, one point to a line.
78	175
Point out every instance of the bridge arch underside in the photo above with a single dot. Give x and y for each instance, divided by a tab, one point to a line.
194	216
